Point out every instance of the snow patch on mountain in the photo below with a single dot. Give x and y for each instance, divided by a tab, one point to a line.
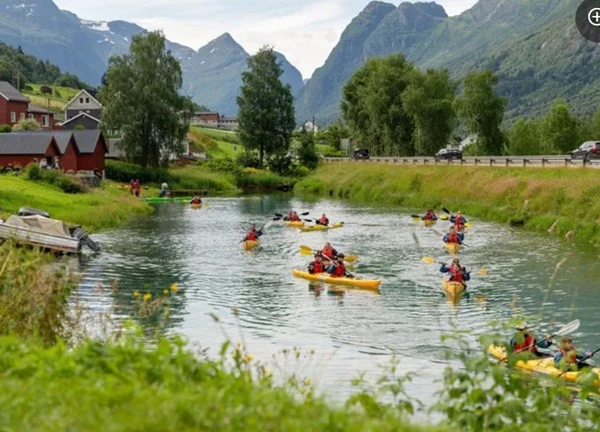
96	25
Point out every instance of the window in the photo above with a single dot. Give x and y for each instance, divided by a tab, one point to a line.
45	121
31	117
87	100
81	100
22	116
13	117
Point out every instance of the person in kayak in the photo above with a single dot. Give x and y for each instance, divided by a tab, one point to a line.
525	341
328	252
430	216
256	231
251	236
568	357
196	200
457	273
338	268
295	217
323	220
458	220
454	237
317	266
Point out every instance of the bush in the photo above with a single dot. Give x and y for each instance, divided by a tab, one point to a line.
248	160
280	163
33	172
27	125
45	90
5	128
79	127
124	172
298	171
221	164
252	178
27	87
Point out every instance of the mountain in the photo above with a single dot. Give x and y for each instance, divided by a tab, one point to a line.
533	46
211	75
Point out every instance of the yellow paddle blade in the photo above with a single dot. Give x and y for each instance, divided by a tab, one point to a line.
468	224
306	252
351	258
483	272
428	260
444	217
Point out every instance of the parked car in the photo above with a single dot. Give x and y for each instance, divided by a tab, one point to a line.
449	154
586	151
360	154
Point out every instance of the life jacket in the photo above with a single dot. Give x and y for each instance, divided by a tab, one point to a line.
294	218
453	238
428	216
569	356
457	274
460	220
251	236
528	344
318	267
324	221
329	253
339	270
196	201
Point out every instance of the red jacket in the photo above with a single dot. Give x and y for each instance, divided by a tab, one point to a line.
453	238
339	270
528	344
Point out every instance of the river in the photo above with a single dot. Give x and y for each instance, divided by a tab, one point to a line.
351	332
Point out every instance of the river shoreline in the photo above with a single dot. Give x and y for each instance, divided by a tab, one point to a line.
559	201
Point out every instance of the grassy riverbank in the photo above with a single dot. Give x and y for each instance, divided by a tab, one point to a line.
97	209
560	200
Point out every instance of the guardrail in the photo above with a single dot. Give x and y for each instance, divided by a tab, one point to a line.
510	161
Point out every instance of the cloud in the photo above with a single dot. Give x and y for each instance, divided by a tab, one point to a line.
305	31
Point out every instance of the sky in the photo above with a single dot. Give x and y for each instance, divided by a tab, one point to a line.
305	31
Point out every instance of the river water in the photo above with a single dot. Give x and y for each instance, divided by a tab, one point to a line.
352	331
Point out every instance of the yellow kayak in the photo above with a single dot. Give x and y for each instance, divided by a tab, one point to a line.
196	206
321	227
453	290
298	224
251	244
429	223
367	284
452	247
543	365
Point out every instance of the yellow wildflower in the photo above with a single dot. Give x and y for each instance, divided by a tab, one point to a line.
136	293
147	296
174	287
165	291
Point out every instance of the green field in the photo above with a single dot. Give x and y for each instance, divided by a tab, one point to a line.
565	200
58	99
216	144
101	208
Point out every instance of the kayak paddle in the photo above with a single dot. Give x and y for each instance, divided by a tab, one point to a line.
444	217
579	362
307	250
567	329
445	210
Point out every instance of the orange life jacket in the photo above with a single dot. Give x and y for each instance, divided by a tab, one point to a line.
528	344
323	221
318	267
457	274
251	236
196	201
339	270
294	218
569	356
329	253
453	238
428	216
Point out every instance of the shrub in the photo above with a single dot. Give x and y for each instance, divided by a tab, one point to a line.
27	125
252	178
33	172
124	172
80	127
221	164
298	171
280	163
27	87
248	159
46	90
5	128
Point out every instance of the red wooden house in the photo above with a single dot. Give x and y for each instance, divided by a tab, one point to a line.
69	150
21	149
14	106
90	149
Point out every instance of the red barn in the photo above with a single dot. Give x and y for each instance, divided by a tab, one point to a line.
69	150
21	149
93	149
41	115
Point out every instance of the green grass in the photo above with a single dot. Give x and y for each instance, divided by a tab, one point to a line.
216	144
535	197
58	99
194	177
128	387
100	208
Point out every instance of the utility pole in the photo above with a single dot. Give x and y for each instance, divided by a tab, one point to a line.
18	77
313	126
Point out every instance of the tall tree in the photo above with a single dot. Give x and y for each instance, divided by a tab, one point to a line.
373	109
266	107
307	153
142	101
559	130
483	111
524	139
429	100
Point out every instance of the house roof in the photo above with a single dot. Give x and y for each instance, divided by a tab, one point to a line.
10	93
223	118
62	138
34	109
206	113
75	99
82	114
26	143
87	140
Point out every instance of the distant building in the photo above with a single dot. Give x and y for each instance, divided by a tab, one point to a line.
214	120
309	126
15	106
83	110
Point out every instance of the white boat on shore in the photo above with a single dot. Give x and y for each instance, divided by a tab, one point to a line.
45	233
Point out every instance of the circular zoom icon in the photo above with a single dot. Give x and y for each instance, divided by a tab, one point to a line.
587	20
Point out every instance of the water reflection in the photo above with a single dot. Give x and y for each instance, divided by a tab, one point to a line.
352	329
